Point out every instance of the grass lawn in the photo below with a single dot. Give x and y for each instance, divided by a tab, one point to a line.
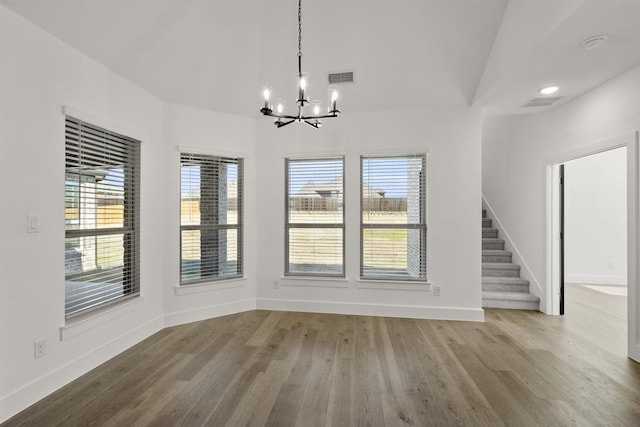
322	247
382	248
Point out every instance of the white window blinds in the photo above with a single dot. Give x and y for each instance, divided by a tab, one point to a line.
314	217
393	220
102	180
210	218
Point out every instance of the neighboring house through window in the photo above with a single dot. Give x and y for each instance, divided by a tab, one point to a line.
314	207
102	250
210	218
393	217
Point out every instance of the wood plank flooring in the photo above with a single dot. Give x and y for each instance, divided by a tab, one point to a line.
264	368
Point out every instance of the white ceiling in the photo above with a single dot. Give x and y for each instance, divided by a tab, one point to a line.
217	54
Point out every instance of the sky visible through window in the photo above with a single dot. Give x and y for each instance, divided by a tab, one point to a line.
115	177
388	174
393	181
309	168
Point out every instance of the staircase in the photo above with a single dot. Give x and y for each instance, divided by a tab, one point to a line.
502	286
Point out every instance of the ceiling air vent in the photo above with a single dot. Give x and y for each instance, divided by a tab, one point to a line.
543	102
337	78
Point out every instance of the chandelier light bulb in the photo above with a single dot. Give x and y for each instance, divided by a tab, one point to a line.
334	100
302	94
280	108
316	107
266	93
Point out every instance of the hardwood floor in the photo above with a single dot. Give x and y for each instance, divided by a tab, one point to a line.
519	368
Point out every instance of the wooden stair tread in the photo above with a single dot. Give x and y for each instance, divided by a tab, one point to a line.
505	280
501	265
511	296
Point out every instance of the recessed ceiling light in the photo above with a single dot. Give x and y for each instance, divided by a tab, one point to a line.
594	42
549	90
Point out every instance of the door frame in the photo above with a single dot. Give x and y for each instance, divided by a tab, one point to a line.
552	292
561	256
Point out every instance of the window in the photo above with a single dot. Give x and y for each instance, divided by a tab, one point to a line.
393	222
314	217
102	180
210	218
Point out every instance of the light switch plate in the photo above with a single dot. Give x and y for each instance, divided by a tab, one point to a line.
33	224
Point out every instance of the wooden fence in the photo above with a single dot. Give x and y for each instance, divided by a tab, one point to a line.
320	204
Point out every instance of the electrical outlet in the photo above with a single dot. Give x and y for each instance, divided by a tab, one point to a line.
610	265
39	348
436	291
276	284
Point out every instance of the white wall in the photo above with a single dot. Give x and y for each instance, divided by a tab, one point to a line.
38	76
206	132
596	218
451	138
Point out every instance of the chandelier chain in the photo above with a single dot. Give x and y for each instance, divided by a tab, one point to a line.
299	27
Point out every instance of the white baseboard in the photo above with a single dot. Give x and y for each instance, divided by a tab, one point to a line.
29	394
595	279
415	312
209	312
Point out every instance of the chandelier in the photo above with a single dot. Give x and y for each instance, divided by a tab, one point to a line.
313	119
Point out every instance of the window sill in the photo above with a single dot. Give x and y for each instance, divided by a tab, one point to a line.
404	285
197	288
319	282
80	325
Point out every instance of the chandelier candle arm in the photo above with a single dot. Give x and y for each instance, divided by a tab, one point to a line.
303	82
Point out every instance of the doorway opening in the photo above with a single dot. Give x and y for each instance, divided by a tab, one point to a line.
588	260
593	244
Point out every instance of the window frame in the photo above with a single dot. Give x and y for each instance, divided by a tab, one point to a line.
421	226
75	130
289	225
239	226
